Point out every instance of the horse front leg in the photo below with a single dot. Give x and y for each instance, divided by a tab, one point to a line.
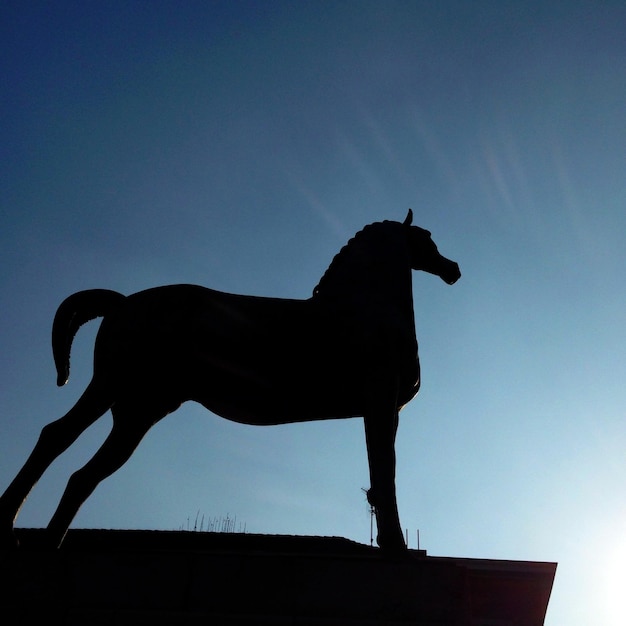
381	424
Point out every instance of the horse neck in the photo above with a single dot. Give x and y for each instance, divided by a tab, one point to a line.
378	273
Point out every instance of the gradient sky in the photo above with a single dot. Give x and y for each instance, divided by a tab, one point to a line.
239	145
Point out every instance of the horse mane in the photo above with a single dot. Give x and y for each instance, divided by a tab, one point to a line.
334	281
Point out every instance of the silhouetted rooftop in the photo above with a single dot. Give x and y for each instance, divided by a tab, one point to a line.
176	577
184	540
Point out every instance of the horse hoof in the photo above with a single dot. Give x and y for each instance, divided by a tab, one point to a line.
392	546
8	542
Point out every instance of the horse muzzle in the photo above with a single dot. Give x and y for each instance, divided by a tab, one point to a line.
450	272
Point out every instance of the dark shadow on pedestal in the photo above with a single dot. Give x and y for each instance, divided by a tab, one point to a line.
163	578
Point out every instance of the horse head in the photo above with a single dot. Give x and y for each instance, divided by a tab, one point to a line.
425	256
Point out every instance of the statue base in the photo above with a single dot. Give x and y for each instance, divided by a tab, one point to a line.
184	577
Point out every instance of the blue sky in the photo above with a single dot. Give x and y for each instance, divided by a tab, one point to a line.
239	146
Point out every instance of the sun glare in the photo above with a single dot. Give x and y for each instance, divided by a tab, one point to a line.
613	579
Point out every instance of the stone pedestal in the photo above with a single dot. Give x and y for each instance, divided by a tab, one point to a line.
192	578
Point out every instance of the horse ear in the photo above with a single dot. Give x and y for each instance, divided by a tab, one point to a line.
409	218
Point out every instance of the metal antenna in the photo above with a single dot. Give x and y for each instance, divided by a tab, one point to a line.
372	510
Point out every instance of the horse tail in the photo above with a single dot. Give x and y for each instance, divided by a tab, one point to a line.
74	311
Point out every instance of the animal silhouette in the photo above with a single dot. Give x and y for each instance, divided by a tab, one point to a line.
349	350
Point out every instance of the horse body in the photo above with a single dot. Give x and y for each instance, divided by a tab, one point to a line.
249	359
349	350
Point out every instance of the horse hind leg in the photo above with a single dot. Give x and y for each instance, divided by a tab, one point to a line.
54	439
127	432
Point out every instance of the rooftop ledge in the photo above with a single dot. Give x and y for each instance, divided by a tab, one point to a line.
180	577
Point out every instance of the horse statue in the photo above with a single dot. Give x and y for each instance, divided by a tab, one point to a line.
349	350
